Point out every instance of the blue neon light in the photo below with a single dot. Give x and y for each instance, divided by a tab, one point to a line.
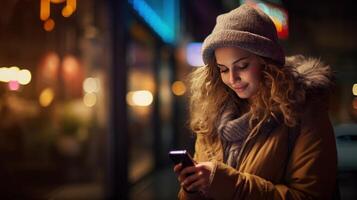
161	27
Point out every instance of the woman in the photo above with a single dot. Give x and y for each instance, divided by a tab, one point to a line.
261	120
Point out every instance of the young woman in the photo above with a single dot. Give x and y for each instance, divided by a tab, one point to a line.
261	119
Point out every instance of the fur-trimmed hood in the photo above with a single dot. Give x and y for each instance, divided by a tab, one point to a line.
315	77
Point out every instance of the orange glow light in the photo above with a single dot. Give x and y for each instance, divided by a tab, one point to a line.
72	3
277	13
178	88
49	25
46	97
44	10
50	66
67	11
278	24
70	66
57	1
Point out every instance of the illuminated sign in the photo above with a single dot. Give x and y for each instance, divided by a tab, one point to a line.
160	15
45	11
277	14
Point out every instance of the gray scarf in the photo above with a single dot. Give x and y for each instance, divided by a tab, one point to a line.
234	130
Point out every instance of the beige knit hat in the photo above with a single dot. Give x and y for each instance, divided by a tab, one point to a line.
247	28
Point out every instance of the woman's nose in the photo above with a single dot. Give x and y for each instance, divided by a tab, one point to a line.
234	76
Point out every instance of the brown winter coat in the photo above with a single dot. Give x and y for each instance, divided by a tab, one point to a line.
266	171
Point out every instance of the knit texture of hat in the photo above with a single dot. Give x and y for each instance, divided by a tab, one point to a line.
247	28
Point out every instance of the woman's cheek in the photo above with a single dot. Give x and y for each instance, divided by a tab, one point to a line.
255	70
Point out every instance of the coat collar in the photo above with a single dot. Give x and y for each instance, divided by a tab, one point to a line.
312	73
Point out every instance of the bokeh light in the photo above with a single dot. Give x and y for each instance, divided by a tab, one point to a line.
8	74
49	25
70	66
91	85
178	88
14	85
193	54
67	11
46	97
90	99
12	73
44	9
139	98
24	76
354	89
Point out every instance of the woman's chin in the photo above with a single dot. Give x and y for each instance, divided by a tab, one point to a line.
242	95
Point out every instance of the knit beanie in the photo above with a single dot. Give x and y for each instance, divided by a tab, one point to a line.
247	28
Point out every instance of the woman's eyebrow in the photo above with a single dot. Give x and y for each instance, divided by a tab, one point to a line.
234	62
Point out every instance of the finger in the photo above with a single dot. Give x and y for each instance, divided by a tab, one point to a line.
204	171
184	174
197	185
188	170
178	168
190	179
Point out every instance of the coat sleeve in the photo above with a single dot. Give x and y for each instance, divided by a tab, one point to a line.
310	174
194	196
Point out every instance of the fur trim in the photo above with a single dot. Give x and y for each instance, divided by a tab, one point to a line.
311	72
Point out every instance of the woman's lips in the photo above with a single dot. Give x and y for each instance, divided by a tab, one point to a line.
240	88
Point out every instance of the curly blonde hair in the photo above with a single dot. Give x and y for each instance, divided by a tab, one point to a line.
279	95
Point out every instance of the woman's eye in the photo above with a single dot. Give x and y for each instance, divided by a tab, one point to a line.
244	66
223	70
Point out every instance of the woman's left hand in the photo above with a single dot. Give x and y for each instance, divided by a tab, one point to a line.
199	178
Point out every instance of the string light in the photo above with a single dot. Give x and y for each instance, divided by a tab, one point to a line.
45	11
14	74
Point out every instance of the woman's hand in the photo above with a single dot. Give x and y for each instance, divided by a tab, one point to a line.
195	178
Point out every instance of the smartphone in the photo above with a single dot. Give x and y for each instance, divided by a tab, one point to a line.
181	156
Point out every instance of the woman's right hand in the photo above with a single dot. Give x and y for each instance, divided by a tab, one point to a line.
194	178
181	175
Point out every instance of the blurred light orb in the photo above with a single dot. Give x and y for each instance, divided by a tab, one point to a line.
67	11
14	85
194	55
91	85
90	99
178	88
49	25
24	77
139	98
70	66
12	73
354	89
46	97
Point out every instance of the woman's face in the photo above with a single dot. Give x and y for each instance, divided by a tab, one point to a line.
240	70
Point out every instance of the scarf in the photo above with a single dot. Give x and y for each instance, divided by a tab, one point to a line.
233	130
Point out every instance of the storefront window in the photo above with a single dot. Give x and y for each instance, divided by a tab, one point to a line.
53	100
140	97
